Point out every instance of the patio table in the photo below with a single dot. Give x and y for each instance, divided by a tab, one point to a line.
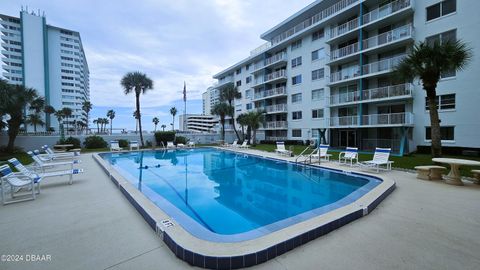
62	147
454	177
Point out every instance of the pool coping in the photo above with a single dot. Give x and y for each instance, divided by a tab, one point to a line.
221	255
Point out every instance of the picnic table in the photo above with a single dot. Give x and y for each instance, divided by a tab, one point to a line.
454	177
62	147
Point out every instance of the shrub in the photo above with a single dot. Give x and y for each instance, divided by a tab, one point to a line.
148	143
164	137
180	139
94	142
123	143
70	140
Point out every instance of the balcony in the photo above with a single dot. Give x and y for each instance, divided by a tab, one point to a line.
373	120
344	28
397	34
385	11
382	65
275	92
224	81
277	108
344	51
271	61
373	95
276	125
271	77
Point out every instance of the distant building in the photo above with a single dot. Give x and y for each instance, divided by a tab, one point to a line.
47	58
210	98
197	123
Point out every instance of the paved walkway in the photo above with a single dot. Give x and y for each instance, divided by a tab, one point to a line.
90	225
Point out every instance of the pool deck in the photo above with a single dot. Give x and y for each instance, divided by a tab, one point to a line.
91	225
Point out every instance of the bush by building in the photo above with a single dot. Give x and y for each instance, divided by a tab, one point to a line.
94	142
162	137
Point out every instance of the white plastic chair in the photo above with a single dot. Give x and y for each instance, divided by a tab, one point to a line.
170	145
380	158
134	145
52	155
114	146
21	168
321	152
42	165
244	144
17	181
282	150
349	155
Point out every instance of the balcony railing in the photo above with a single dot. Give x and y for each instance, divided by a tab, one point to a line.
382	65
344	51
271	92
388	37
225	80
261	48
391	119
373	15
331	10
271	76
275	138
272	60
276	108
276	125
386	92
345	74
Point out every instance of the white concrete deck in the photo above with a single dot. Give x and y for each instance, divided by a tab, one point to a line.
90	225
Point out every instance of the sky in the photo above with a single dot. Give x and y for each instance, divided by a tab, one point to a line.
171	41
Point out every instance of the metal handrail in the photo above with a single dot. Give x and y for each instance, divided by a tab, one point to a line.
301	154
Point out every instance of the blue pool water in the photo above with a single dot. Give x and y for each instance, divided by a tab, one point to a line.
225	196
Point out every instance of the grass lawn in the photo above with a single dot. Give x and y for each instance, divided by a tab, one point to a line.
405	162
23	157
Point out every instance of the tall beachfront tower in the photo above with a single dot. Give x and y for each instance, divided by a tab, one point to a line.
327	71
47	58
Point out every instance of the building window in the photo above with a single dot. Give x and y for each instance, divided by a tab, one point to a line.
239	83
318	34
297	62
446	102
296	44
297	115
318	94
318	74
441	9
447	133
247	67
296	98
317	113
449	36
238	71
248	79
249	106
296	133
318	54
297	79
248	94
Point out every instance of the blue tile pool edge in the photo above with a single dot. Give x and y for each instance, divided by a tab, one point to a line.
199	259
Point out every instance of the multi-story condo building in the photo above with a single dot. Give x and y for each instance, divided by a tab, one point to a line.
327	72
47	58
210	98
197	123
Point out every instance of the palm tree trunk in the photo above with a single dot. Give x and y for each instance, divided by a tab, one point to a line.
173	123
35	128
139	117
254	137
233	121
223	129
111	125
436	134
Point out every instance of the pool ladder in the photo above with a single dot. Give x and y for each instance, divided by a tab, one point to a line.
308	158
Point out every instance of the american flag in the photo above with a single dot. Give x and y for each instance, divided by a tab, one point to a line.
184	92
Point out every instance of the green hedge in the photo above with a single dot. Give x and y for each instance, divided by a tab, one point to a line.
164	137
180	139
123	143
94	142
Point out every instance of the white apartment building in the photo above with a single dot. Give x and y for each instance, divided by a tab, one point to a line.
210	98
197	123
47	58
326	71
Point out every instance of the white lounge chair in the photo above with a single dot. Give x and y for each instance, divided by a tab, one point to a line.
282	150
234	144
191	144
321	153
17	181
21	168
42	165
134	145
349	155
64	155
244	144
114	146
170	145
379	158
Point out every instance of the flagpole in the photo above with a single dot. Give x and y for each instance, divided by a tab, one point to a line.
185	106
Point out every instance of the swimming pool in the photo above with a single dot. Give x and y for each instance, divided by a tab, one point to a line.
224	196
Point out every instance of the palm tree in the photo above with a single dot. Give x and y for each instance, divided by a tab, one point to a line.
97	122
135	115
163	126
254	120
138	83
111	115
242	121
228	94
87	107
59	115
35	119
37	105
173	112
48	110
14	100
222	110
155	122
104	123
67	112
428	62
